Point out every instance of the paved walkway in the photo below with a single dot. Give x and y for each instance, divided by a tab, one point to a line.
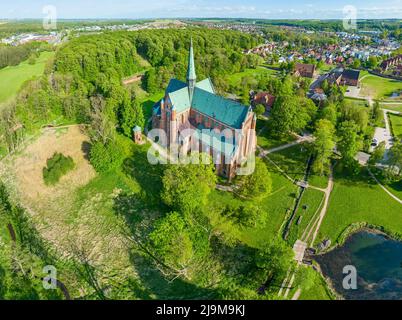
300	139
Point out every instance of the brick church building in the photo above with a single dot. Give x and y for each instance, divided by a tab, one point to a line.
196	106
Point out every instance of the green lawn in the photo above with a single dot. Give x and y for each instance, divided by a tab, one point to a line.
394	187
378	87
359	200
272	208
292	160
148	101
395	106
266	140
396	122
12	78
317	290
309	204
235	79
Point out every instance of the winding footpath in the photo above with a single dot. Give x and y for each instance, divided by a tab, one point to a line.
384	188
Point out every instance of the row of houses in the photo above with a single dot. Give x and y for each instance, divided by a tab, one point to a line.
338	76
392	62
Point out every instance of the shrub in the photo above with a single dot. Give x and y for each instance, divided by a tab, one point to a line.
57	166
106	157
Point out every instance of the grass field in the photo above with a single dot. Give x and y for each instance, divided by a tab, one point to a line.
396	123
273	209
359	199
317	289
235	79
307	210
12	78
394	107
378	87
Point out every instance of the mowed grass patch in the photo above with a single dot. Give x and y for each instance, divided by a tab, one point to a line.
378	87
307	211
148	102
236	78
292	160
317	289
359	200
12	78
395	187
394	106
396	123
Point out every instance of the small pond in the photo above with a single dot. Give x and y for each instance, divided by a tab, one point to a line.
378	263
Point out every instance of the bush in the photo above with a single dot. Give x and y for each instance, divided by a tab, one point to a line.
57	166
106	157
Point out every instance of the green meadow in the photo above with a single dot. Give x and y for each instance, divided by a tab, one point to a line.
12	78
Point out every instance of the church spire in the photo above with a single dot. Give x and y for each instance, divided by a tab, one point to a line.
191	76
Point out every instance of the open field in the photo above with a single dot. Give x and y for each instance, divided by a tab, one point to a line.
91	216
378	87
235	79
359	199
396	123
12	78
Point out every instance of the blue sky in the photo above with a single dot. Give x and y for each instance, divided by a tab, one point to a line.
269	9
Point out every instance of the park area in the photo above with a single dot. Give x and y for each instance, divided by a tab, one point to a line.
396	123
380	88
12	78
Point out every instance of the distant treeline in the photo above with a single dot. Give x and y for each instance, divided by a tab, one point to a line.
12	56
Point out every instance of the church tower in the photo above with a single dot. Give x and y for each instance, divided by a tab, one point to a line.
191	76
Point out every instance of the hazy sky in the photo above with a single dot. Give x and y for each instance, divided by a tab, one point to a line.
269	9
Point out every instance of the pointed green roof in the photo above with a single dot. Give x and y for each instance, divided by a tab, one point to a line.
191	66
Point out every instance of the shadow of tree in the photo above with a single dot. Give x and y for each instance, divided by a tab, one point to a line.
238	260
156	285
148	176
86	149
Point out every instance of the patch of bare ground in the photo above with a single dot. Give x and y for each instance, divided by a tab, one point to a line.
75	228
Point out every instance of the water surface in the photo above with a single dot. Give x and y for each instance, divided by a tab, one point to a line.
378	262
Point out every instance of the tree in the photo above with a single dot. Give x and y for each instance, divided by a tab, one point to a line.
378	153
287	115
356	63
349	141
372	62
105	157
274	258
256	185
395	159
323	145
376	113
329	113
171	241
186	187
259	110
131	115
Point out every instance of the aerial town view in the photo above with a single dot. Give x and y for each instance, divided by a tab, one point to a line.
201	151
